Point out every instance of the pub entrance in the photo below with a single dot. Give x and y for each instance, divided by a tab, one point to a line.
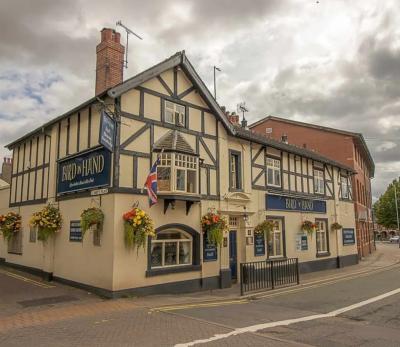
233	253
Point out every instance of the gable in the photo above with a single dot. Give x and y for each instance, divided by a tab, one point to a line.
173	79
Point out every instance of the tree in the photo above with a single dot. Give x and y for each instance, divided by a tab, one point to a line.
385	207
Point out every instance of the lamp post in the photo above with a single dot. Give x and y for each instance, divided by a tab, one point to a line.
215	81
397	208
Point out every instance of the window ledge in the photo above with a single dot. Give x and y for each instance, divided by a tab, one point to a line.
14	252
183	196
323	254
172	270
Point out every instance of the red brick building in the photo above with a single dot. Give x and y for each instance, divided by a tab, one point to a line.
346	147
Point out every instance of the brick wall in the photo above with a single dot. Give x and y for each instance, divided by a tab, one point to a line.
110	60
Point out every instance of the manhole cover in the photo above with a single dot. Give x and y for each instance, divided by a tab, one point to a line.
47	301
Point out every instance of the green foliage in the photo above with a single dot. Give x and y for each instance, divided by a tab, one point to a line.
308	227
336	226
48	221
266	227
385	207
10	224
92	216
137	227
214	226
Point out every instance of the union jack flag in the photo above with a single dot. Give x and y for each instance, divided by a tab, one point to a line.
151	183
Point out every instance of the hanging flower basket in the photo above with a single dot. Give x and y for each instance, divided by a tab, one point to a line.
92	216
48	221
137	227
10	224
214	226
336	226
308	226
264	228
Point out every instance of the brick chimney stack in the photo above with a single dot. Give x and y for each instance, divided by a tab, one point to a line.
110	60
6	170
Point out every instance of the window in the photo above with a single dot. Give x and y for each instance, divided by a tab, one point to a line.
171	248
75	231
15	243
322	236
274	172
32	233
345	188
319	183
174	114
275	240
177	172
235	170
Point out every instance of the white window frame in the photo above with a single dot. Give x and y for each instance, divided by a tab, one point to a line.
319	181
345	187
178	113
278	229
189	240
274	165
178	161
318	232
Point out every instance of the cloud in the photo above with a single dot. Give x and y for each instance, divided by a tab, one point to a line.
334	63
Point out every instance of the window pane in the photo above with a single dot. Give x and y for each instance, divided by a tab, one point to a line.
164	178
277	177
180	179
191	181
169	116
156	254
270	175
170	253
277	241
170	236
184	252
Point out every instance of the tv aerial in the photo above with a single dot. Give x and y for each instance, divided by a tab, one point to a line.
128	31
242	108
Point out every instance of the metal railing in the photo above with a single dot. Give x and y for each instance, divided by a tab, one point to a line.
268	274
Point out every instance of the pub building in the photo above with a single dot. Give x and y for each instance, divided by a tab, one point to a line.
100	153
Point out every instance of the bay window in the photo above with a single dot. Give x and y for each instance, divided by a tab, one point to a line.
177	173
274	172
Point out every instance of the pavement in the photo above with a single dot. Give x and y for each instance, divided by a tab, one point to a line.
33	312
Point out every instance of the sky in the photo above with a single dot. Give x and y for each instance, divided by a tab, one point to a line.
334	63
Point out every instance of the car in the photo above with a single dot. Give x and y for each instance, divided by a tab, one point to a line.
394	239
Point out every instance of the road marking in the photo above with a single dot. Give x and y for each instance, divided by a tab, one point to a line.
302	287
28	280
257	327
204	304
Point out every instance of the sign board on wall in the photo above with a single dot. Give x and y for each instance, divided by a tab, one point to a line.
348	236
210	250
259	244
286	203
84	171
107	131
302	243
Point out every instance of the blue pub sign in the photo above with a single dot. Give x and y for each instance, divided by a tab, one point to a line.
287	203
348	236
107	131
84	171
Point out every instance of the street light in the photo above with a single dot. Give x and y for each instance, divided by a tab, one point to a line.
215	82
397	208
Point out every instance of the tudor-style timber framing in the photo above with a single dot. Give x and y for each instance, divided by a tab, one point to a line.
193	136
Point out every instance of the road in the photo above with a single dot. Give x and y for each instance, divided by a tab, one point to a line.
297	316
